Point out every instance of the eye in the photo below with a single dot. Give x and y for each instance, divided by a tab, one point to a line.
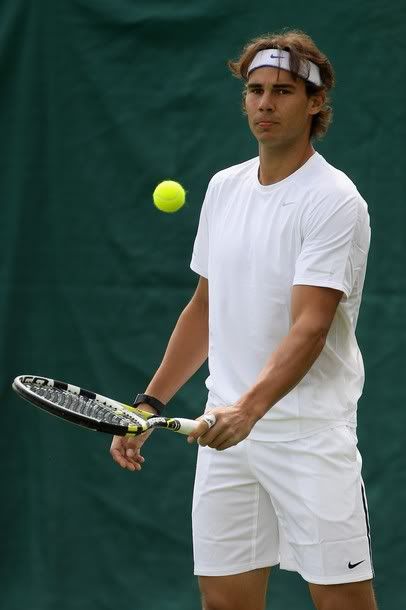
256	90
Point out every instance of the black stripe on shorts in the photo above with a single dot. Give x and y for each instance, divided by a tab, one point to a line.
364	502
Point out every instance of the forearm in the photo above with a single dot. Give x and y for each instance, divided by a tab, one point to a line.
186	352
285	368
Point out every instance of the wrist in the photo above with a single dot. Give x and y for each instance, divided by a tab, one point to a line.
151	401
143	406
255	403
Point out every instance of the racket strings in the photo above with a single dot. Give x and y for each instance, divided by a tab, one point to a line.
84	406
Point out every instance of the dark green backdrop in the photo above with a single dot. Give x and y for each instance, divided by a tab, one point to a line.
99	101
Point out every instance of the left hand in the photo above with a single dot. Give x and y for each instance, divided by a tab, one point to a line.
233	424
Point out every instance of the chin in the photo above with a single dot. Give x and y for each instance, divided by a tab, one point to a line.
269	139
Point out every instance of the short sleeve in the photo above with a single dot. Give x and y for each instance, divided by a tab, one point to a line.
335	244
200	255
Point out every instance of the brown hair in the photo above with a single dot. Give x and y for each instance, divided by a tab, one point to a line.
301	47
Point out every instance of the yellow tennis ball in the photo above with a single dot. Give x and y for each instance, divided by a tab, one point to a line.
169	196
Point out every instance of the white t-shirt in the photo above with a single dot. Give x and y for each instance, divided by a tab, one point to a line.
253	244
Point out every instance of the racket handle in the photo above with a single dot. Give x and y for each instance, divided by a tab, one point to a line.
187	425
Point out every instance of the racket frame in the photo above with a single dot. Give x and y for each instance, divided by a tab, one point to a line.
140	417
143	420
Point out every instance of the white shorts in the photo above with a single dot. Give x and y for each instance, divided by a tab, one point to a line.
300	504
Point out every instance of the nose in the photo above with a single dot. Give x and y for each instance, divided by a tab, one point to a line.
267	101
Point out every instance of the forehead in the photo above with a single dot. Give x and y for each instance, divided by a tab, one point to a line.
269	75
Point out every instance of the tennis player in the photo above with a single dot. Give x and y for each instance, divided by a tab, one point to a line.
281	251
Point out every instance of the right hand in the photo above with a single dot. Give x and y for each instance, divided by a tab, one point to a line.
125	450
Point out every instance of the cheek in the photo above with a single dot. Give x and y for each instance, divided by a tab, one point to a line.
250	110
248	104
297	112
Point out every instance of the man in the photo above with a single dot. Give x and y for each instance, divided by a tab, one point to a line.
281	251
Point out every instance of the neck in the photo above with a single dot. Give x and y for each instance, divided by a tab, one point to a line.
275	164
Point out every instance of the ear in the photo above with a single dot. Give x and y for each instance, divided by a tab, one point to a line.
316	102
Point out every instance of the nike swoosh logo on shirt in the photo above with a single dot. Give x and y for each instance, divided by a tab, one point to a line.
288	203
354	565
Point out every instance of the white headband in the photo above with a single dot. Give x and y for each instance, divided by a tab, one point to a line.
276	58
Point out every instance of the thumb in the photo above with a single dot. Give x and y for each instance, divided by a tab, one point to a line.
131	446
206	421
130	452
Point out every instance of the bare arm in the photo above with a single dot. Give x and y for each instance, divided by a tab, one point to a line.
186	352
313	310
187	347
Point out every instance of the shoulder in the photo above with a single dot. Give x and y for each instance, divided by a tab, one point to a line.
336	178
234	173
332	204
227	181
332	189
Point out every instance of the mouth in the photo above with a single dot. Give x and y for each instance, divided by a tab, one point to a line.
265	124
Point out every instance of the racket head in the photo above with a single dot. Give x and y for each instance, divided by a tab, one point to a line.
80	406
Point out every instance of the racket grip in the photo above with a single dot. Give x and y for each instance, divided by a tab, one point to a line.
186	425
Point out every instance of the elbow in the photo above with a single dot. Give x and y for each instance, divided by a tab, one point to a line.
322	338
312	333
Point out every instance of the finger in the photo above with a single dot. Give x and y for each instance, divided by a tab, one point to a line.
132	442
136	441
118	457
211	436
133	454
200	429
133	467
136	461
138	458
206	422
220	440
229	443
116	446
124	462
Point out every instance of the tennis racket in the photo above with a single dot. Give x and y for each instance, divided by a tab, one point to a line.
94	411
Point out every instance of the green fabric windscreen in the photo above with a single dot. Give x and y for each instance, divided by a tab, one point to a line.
101	100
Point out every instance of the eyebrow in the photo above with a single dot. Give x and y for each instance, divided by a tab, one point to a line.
274	86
